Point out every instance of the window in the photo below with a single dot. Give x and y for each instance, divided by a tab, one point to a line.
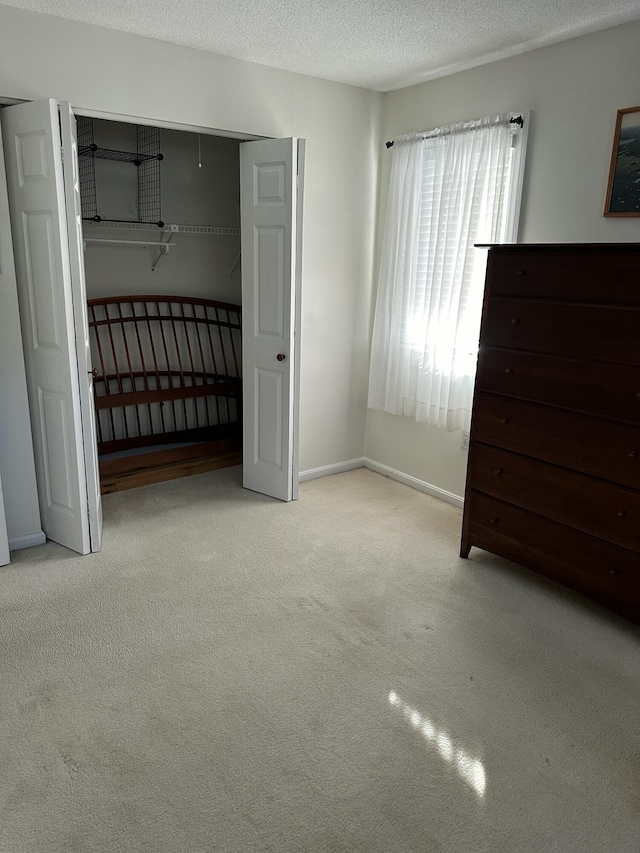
449	189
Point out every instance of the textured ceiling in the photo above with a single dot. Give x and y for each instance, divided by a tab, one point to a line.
370	43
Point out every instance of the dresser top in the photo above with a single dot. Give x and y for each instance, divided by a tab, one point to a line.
558	248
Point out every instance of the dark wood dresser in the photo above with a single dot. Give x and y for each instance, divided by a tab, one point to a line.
553	481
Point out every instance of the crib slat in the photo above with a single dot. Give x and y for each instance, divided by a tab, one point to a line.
155	362
142	364
118	377
168	361
104	374
224	359
203	365
193	368
128	357
237	356
100	435
175	338
213	360
233	348
115	356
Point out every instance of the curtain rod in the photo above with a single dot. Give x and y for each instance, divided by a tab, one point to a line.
515	120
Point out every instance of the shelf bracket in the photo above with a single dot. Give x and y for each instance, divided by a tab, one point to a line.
164	250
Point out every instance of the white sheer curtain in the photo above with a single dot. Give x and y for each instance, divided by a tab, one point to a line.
448	191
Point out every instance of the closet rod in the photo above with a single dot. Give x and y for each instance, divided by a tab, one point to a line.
130	242
122	225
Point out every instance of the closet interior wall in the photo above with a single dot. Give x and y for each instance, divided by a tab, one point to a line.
192	194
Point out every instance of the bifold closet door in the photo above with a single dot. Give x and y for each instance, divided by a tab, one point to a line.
73	205
37	204
4	539
270	291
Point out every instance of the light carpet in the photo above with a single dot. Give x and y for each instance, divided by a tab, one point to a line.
232	673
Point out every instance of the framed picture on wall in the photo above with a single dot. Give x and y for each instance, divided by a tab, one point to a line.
623	192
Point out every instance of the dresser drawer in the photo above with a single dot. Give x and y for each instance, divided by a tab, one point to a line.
600	448
593	387
600	277
604	572
603	509
602	332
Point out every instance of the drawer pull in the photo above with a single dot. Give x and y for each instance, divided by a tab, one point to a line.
633	454
521	272
506	421
621	513
514	321
508	370
497	472
612	571
494	520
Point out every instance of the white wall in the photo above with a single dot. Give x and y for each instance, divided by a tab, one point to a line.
202	264
104	70
17	468
574	89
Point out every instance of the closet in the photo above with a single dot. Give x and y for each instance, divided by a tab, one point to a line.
44	212
161	226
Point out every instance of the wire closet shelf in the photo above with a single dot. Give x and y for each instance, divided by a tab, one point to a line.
146	159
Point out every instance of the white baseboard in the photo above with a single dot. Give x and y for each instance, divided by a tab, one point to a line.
420	485
27	541
406	479
327	470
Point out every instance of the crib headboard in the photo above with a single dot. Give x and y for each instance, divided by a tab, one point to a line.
167	369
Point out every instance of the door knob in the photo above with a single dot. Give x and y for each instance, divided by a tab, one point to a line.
93	372
281	356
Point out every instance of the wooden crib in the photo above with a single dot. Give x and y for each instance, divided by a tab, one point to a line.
167	371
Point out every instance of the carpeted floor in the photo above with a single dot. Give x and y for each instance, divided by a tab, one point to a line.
236	674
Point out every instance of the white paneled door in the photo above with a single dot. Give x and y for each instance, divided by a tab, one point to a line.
4	539
81	321
270	278
49	318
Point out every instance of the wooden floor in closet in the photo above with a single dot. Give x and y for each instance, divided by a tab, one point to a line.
117	475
